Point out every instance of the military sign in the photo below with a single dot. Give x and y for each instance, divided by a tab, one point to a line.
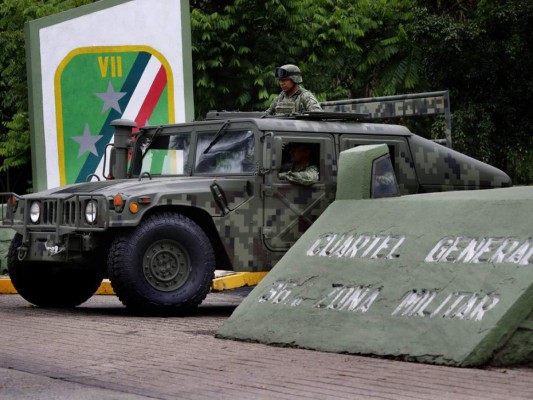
98	62
97	85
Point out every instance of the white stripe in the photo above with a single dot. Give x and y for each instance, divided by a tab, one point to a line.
142	89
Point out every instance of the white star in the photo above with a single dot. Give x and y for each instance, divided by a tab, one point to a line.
111	98
87	141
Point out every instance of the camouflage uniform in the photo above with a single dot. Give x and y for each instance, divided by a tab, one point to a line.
305	176
302	100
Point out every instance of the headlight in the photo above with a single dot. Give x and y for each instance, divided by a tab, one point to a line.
35	212
91	211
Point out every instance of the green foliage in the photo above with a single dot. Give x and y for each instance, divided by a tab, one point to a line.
472	131
482	52
340	46
479	50
14	129
15	144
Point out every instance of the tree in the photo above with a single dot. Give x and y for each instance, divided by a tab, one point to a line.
479	50
340	46
14	130
482	52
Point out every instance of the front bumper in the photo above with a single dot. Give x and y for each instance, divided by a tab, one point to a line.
62	231
38	246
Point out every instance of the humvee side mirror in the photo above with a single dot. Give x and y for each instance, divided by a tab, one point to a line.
267	162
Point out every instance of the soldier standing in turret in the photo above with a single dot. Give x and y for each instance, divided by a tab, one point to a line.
293	98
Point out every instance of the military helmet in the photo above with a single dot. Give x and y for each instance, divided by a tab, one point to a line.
289	71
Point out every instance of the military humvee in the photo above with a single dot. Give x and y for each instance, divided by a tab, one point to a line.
187	198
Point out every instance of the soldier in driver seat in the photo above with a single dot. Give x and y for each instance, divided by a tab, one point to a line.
299	170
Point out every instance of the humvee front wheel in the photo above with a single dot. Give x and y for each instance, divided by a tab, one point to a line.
54	284
165	264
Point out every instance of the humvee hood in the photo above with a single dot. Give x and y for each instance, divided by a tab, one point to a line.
129	186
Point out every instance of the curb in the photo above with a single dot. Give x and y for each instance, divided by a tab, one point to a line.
227	282
6	287
237	280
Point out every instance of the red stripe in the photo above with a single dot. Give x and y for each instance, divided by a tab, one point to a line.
153	96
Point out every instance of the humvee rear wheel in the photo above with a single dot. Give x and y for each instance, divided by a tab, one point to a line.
165	264
49	284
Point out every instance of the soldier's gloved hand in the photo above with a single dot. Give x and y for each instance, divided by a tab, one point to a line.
387	179
282	175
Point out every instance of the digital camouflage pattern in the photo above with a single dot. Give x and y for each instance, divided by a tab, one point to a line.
420	166
392	106
303	100
406	105
223	174
259	216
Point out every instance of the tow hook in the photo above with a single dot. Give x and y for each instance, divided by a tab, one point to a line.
22	253
54	250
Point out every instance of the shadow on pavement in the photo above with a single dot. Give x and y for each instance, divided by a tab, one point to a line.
216	304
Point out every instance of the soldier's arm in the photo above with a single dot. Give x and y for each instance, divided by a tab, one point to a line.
311	103
305	178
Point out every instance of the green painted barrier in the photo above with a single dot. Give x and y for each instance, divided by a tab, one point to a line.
442	278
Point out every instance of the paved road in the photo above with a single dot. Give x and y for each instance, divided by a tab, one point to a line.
100	351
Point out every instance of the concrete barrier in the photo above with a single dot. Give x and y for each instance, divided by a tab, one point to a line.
442	278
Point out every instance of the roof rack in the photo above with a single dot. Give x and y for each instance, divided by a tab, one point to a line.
308	115
378	108
213	114
327	116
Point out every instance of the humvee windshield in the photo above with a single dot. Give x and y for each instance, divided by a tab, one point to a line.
231	153
164	155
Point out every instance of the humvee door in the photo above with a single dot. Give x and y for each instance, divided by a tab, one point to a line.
291	208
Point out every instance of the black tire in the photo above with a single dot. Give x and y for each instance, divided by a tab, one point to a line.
166	264
49	284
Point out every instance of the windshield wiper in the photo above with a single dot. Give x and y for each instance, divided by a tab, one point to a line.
150	140
217	137
135	166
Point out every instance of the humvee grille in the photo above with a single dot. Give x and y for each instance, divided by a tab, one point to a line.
49	213
68	214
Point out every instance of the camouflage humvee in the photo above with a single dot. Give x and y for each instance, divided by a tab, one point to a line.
188	198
